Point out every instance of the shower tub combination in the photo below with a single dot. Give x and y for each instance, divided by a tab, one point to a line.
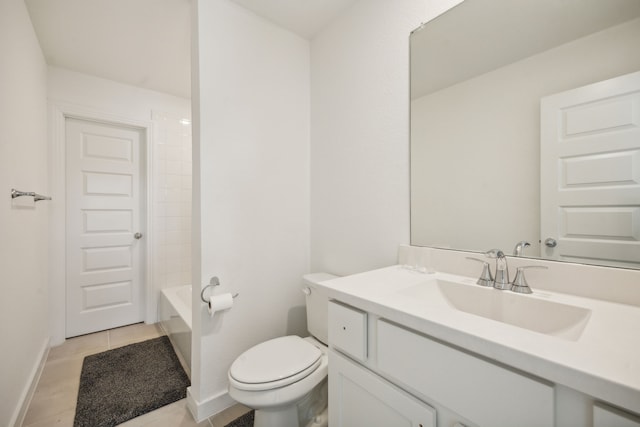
175	318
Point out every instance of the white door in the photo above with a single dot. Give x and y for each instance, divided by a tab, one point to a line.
104	255
590	173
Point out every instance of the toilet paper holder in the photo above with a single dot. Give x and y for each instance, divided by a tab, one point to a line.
213	282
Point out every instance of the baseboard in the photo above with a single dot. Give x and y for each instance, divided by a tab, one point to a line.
30	389
205	409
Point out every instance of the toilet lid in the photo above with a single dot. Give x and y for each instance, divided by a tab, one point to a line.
281	360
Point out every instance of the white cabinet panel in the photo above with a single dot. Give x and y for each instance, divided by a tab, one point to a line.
609	417
357	397
478	390
348	330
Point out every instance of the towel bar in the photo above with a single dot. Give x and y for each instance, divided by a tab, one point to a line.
36	197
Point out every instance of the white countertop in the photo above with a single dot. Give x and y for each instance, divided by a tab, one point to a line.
604	362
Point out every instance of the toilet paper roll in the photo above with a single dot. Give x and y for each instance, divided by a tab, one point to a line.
219	303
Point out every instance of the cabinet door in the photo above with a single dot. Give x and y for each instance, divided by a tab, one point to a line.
358	397
478	390
604	416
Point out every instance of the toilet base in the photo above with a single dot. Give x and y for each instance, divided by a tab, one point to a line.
279	417
320	420
294	405
310	411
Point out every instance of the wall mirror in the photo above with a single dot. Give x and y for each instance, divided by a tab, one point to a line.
494	82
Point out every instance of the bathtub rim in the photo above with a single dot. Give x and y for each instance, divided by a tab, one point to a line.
171	294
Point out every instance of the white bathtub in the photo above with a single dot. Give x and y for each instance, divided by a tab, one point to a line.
175	318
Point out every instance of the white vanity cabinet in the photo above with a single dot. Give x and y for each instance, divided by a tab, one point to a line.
468	359
404	378
358	397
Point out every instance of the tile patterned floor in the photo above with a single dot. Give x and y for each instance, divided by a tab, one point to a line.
54	401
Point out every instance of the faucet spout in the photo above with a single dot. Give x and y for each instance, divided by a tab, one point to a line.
517	251
501	280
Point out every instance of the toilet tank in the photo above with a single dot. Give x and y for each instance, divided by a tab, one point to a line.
317	305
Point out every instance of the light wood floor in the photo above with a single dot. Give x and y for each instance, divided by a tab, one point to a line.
54	401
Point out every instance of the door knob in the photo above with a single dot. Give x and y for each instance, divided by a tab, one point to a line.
550	243
137	236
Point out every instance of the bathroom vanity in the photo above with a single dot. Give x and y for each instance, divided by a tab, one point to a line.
415	349
409	348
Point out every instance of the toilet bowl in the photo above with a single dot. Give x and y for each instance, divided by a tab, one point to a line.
285	379
261	378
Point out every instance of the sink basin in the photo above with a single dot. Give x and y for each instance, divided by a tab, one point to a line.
524	311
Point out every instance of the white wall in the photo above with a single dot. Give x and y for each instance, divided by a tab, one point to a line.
23	224
360	134
170	187
106	95
251	188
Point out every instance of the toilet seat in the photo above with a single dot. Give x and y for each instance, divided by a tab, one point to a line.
274	363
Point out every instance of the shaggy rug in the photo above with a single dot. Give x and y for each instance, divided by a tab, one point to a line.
126	382
245	420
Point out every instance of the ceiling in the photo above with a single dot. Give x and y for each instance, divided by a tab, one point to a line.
146	43
303	17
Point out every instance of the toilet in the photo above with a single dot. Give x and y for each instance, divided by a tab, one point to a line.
285	379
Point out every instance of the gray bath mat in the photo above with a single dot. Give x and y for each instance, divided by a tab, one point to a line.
245	420
126	382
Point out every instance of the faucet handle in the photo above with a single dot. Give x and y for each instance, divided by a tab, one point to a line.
520	284
485	279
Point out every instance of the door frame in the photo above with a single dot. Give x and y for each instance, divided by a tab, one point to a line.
58	114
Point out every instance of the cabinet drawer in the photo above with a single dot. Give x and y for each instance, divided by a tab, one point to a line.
348	330
478	390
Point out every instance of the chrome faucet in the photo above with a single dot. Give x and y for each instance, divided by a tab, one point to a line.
520	284
517	251
501	280
485	279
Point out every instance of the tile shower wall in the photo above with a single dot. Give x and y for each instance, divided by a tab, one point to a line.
171	188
